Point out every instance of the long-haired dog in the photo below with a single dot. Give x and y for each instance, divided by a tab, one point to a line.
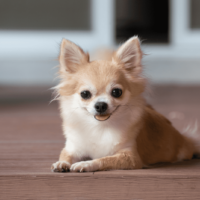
106	121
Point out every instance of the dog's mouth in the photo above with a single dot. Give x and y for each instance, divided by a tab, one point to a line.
104	117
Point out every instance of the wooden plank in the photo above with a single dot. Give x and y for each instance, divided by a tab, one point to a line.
99	186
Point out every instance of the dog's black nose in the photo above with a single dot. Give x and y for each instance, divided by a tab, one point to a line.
101	107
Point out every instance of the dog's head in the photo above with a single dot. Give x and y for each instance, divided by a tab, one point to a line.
101	87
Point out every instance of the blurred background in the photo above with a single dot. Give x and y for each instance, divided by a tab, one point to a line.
31	32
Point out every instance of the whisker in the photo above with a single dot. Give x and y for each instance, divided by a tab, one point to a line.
123	105
55	98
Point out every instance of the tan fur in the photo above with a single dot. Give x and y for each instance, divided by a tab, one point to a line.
121	160
64	156
150	138
159	141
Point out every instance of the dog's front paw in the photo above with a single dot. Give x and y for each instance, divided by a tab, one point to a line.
84	166
60	166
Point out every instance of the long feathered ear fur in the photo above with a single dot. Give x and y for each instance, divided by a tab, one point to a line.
129	56
71	57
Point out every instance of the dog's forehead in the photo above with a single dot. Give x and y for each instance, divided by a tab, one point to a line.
102	68
101	74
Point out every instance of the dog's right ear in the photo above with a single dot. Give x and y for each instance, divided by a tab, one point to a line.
71	57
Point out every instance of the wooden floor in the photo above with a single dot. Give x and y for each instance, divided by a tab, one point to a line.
31	140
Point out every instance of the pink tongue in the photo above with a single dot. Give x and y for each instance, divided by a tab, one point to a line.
101	117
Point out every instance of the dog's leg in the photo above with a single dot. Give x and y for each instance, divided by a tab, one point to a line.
64	163
122	160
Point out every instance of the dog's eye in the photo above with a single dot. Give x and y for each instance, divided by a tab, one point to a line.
116	92
86	94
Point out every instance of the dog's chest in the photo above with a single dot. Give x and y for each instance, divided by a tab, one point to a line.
94	144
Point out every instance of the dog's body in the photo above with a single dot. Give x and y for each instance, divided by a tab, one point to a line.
107	122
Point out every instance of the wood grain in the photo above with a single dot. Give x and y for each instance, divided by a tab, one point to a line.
31	140
88	186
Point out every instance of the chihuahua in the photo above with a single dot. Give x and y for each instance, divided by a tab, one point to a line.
107	123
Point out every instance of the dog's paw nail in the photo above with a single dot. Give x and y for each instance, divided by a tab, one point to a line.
83	166
60	166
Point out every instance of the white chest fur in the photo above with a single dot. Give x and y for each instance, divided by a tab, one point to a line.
99	142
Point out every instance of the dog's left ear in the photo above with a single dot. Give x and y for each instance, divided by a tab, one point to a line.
129	56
